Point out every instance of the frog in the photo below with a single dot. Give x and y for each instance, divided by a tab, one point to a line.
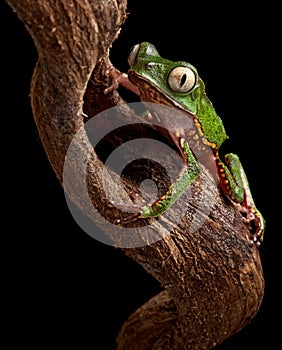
177	84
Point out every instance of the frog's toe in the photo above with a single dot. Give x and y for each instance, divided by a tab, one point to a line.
255	222
127	219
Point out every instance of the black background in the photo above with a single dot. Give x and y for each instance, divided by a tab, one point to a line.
64	287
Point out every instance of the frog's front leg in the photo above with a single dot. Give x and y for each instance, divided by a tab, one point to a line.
119	78
233	181
188	175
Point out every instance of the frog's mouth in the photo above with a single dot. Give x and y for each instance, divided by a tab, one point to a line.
151	93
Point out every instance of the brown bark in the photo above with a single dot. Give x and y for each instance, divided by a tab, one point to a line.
212	278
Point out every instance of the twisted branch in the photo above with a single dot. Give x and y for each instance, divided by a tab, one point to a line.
212	278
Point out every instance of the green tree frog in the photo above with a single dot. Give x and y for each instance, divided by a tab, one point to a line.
177	84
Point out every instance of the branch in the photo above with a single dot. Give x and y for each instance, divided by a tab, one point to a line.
212	278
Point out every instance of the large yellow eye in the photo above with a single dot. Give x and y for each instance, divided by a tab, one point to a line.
182	79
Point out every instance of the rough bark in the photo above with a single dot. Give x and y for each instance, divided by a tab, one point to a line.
212	277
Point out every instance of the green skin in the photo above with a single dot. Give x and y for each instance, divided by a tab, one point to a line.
148	71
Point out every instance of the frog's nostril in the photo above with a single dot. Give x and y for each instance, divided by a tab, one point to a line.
149	65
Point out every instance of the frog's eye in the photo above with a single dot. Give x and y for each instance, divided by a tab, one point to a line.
133	54
182	79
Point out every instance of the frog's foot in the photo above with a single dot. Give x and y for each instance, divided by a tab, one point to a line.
132	212
119	78
253	218
128	219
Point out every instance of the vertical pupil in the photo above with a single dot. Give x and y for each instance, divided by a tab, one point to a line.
183	79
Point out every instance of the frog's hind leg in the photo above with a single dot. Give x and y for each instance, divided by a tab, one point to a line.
233	181
230	179
252	215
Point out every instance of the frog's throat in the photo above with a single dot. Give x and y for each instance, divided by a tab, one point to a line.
151	93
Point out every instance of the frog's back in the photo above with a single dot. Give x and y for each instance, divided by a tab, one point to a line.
211	124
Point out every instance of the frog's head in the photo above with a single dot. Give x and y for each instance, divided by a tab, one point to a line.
177	81
174	83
